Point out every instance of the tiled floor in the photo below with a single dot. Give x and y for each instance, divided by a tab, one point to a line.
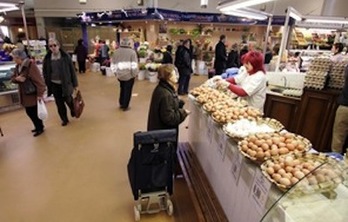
78	173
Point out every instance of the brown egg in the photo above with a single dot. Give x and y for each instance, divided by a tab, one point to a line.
281	172
258	143
300	147
290	147
275	140
282	139
281	144
267	154
285	181
289	161
274	147
299	174
305	171
295	143
321	178
312	180
289	135
244	142
289	169
270	170
252	139
294	180
276	167
306	165
265	146
254	147
269	142
283	151
276	177
274	152
260	155
245	148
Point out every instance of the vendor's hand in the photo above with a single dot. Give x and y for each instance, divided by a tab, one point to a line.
188	112
20	78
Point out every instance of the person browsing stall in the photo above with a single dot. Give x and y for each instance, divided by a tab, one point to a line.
251	83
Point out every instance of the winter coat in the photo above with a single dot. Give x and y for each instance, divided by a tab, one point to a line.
164	108
81	53
124	63
31	71
233	59
220	56
167	58
184	64
69	79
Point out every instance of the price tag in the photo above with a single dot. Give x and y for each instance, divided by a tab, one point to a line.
236	166
260	191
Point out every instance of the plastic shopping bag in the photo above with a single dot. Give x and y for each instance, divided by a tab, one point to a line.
41	110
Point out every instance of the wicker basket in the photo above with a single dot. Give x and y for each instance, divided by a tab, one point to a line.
321	164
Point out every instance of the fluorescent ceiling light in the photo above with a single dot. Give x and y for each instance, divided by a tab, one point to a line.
9	9
2	4
327	20
237	4
245	14
295	16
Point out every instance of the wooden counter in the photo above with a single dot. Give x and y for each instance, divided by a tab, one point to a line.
311	116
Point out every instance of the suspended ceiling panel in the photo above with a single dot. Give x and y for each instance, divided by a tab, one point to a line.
66	8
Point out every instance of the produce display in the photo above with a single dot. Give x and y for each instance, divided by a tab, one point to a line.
318	73
211	106
232	114
262	146
243	128
336	80
320	171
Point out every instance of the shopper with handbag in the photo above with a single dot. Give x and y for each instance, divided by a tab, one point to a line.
31	87
60	78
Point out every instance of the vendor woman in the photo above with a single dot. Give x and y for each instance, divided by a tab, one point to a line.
250	84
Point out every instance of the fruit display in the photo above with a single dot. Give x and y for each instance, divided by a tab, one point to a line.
260	147
318	73
232	114
337	75
317	172
243	128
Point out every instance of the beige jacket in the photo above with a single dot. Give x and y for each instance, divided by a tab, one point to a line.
124	63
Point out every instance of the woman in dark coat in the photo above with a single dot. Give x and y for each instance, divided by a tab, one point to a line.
28	69
81	54
166	110
167	55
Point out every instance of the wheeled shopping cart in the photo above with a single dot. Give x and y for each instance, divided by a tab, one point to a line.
150	171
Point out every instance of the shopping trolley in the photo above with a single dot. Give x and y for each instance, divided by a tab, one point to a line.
150	171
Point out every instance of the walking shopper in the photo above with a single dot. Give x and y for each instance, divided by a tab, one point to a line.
124	63
81	54
60	78
26	70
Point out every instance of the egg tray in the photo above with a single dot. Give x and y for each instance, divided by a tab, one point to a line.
300	189
272	123
307	146
252	118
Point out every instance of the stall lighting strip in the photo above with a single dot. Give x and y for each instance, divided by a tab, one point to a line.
9	9
327	20
295	16
245	14
233	5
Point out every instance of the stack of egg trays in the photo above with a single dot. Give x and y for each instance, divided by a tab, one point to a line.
318	73
337	75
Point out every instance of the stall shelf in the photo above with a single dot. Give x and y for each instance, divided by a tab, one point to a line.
9	97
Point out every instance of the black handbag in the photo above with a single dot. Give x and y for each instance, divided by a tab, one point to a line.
29	87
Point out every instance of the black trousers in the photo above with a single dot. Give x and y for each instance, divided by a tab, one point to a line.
82	66
125	92
32	113
184	81
61	101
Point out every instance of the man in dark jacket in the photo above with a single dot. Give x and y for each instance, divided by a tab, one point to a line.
220	56
167	55
184	68
81	54
60	78
233	57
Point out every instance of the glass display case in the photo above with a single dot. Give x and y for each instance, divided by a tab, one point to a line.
320	196
9	97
